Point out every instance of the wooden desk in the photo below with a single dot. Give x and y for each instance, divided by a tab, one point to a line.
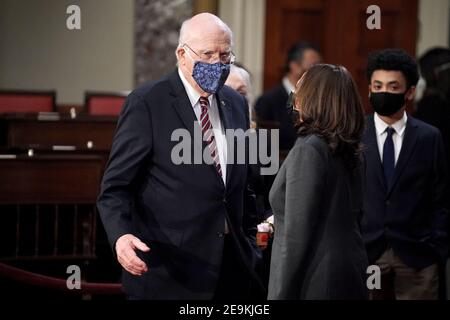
47	201
55	179
56	132
47	204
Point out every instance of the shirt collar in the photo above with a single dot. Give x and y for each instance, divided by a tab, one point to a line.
193	94
399	126
288	86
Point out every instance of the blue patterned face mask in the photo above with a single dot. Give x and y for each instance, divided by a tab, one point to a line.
210	76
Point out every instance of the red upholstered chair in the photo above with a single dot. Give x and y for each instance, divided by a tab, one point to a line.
104	104
27	101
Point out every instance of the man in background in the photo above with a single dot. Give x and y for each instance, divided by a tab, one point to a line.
434	108
271	106
240	80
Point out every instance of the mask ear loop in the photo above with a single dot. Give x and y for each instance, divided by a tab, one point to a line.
186	49
188	53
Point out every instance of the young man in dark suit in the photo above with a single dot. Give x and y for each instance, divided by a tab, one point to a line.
404	222
183	231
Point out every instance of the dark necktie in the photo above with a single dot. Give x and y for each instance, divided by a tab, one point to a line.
388	156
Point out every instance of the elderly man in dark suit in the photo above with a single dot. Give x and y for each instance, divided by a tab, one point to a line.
404	224
183	231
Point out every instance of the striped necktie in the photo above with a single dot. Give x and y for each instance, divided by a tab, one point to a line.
208	134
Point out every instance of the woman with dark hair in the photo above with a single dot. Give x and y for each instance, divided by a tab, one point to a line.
318	252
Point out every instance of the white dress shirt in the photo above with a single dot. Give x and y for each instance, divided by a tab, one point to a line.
399	128
214	117
288	86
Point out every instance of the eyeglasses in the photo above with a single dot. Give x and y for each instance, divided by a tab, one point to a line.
225	58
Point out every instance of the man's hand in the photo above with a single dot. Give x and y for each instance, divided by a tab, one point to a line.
125	250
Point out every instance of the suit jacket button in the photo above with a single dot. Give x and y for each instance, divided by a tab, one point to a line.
224	200
388	202
220	234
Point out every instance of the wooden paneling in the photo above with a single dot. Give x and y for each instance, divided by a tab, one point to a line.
287	22
338	28
210	6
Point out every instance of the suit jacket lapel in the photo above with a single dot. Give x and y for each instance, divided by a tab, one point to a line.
226	117
374	158
182	105
409	142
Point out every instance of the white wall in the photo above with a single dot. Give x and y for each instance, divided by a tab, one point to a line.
37	51
433	24
247	20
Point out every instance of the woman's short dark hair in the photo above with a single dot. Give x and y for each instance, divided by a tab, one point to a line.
393	60
330	106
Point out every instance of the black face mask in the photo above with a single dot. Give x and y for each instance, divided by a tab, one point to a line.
386	103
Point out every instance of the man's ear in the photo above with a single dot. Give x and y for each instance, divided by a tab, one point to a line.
294	67
181	55
410	93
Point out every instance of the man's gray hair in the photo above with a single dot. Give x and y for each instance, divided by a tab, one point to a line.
184	32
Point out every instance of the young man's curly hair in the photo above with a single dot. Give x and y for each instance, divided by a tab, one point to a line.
394	60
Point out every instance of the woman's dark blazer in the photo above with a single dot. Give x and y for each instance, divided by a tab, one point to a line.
318	252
